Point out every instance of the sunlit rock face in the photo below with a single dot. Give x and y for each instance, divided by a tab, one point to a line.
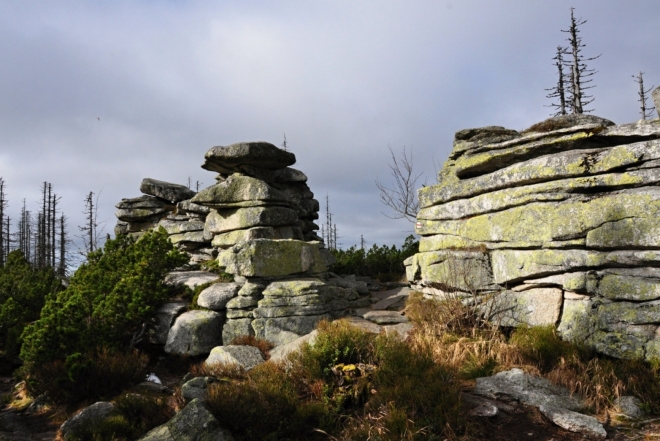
256	225
555	225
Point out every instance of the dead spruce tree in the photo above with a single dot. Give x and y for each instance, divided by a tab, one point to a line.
4	248
559	91
580	74
646	112
90	233
402	196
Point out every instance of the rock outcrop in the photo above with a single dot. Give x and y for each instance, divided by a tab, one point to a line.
258	222
556	225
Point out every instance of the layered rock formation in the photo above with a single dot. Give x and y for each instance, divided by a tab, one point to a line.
258	220
559	224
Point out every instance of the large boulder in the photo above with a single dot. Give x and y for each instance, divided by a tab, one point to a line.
269	258
193	423
556	225
245	357
656	99
259	154
162	323
87	418
282	330
216	296
170	192
195	333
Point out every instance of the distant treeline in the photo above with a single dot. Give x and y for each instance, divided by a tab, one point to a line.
41	237
381	262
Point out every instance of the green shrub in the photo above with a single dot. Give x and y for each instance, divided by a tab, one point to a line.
337	342
80	347
94	375
350	384
545	348
384	263
23	293
108	299
134	416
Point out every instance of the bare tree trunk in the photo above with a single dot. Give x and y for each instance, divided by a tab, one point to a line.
643	96
3	204
62	264
402	196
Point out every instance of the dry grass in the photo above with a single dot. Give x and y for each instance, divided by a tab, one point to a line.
264	346
475	350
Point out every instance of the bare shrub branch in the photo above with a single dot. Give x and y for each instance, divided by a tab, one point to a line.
402	196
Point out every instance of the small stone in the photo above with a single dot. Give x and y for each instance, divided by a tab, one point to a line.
196	388
247	357
216	296
573	421
385	317
280	352
487	410
630	406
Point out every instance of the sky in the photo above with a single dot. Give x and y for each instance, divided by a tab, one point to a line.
97	95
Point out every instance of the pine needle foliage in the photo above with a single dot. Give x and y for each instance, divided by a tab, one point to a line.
23	292
108	299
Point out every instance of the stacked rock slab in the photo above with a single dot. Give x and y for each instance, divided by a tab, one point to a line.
167	205
556	225
258	196
262	220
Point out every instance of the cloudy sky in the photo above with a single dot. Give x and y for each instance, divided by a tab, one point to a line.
96	95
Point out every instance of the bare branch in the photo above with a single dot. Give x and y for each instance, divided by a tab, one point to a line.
402	196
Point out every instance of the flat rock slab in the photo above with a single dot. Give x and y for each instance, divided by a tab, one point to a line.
528	389
394	296
363	324
402	330
247	357
385	317
189	278
224	159
575	422
166	190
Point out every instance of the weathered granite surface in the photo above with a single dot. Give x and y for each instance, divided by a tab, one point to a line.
555	225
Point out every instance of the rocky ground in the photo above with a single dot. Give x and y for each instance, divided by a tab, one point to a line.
513	420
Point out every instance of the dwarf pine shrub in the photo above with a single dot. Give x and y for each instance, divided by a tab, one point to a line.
108	300
23	292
